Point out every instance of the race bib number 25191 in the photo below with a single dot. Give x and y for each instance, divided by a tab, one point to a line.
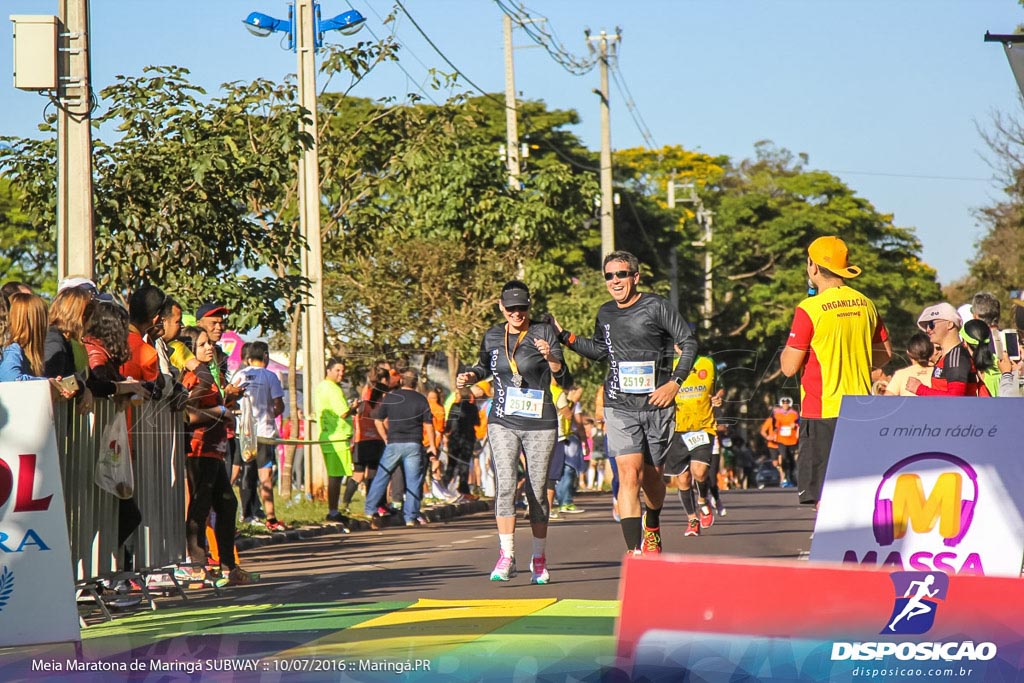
636	377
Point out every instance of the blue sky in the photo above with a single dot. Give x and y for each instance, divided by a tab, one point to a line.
886	94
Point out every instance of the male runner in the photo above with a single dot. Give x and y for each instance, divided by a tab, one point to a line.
690	453
637	332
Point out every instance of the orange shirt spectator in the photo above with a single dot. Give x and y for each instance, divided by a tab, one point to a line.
144	363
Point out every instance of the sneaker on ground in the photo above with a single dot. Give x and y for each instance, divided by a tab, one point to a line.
238	577
722	512
383	512
554	513
189	574
335	517
707	517
635	553
275	525
652	539
539	570
419	521
570	508
505	569
693	528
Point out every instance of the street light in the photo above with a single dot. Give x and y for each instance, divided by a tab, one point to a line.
1014	46
305	32
262	25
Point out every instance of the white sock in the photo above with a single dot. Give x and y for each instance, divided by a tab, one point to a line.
538	546
508	543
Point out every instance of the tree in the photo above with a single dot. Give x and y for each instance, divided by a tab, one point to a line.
998	262
24	251
423	228
771	208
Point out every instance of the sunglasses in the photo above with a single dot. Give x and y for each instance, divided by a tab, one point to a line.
930	325
517	309
621	274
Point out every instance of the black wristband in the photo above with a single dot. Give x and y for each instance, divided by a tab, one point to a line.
563	337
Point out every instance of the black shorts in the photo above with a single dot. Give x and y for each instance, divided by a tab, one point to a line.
266	456
815	447
367	454
678	455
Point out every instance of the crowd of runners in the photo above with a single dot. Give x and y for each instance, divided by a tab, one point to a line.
513	427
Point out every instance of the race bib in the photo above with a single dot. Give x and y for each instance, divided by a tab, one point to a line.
524	402
786	431
695	439
636	377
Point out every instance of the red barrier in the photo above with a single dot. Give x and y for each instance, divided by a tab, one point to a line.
792	599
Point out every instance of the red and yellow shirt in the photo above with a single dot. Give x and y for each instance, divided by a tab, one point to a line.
837	328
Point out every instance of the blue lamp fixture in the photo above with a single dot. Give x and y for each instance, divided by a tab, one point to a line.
263	25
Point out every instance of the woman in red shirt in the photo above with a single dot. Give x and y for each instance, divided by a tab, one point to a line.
207	477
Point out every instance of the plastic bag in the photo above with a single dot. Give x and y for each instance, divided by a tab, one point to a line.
114	465
246	431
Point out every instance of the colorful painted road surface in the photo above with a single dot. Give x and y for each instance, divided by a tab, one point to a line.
425	640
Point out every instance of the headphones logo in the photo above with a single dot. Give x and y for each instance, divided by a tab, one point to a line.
945	504
918	595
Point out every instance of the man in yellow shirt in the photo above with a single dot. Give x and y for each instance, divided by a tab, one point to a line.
690	452
837	337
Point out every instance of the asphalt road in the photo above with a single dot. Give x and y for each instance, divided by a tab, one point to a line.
453	561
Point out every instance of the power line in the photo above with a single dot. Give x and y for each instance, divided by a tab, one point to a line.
634	113
915	176
500	102
448	61
535	27
419	86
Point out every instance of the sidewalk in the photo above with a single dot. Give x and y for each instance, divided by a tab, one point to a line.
437	514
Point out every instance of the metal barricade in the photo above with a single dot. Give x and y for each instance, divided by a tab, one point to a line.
157	437
92	513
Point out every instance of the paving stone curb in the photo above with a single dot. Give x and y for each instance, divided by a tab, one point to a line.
440	514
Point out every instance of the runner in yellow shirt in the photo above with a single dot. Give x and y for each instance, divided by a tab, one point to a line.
690	452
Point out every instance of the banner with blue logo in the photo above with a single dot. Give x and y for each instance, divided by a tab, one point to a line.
37	590
925	485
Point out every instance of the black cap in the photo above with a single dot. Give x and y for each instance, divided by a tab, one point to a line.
515	297
210	308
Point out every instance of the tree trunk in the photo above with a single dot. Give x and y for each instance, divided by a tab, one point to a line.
285	474
453	366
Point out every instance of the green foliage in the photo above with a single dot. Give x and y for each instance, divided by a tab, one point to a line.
423	229
25	250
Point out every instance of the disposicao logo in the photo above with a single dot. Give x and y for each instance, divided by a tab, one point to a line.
918	595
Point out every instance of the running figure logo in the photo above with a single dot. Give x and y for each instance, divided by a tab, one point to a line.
917	599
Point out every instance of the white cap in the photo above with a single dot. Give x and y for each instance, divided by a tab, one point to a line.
72	282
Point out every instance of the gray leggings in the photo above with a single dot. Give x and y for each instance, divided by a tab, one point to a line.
506	445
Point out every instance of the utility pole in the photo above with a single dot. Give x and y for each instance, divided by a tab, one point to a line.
705	219
673	256
607	210
309	225
75	247
511	124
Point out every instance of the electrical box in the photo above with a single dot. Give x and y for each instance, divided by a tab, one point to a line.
35	51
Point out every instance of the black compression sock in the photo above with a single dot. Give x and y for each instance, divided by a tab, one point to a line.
632	532
351	486
653	518
686	498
